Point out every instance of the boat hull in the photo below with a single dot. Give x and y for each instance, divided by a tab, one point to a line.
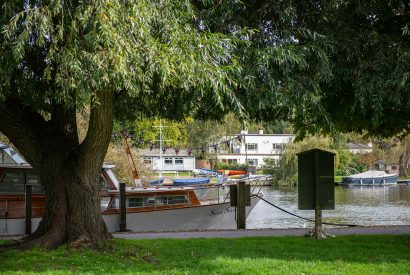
391	179
213	216
232	172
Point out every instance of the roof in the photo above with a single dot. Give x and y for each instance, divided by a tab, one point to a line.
169	152
10	156
315	150
358	146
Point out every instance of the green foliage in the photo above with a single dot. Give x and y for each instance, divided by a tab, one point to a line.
285	170
259	255
323	65
218	165
370	88
145	52
146	131
270	166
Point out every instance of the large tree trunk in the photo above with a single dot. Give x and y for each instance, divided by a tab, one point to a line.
69	171
72	206
404	158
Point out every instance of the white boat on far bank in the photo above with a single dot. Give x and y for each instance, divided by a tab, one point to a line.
371	177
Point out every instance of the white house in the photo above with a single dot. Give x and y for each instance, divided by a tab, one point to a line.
254	148
358	148
169	160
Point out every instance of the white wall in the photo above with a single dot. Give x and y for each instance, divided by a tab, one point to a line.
188	163
264	148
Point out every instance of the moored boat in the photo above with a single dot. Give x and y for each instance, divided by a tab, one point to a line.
189	182
156	182
156	208
232	172
370	177
202	172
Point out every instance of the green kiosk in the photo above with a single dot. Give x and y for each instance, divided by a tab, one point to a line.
316	187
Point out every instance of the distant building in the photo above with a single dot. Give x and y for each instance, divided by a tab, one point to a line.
382	165
169	161
358	148
253	148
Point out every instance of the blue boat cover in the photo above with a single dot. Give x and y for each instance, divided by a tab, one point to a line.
184	182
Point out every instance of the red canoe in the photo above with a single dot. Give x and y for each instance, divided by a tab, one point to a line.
232	172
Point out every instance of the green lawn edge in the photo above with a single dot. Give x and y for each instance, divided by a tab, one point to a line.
382	254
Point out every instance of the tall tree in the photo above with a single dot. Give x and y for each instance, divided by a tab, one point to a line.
61	57
404	157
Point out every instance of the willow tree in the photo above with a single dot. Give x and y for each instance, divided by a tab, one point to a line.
323	64
61	57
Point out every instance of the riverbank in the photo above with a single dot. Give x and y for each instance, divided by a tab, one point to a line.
358	254
267	232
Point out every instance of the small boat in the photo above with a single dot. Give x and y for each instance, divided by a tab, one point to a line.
370	177
155	208
156	182
265	179
202	172
188	182
232	172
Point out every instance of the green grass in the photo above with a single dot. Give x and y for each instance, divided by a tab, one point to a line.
269	255
338	178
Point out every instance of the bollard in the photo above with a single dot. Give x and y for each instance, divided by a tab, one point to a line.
318	209
318	223
123	208
28	208
241	208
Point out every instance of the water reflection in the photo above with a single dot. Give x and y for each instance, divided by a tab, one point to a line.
362	205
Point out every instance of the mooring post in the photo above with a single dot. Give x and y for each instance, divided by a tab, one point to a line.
318	223
123	209
241	208
28	208
318	210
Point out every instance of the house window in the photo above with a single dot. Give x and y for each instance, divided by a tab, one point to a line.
168	161
252	146
147	160
232	161
253	162
179	161
277	147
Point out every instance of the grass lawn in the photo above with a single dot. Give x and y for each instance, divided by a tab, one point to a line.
338	178
262	255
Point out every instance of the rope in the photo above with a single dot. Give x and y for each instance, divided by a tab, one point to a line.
310	220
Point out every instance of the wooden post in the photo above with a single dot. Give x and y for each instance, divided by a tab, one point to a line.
318	223
28	208
318	210
241	208
123	208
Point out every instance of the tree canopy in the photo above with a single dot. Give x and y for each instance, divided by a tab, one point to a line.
323	65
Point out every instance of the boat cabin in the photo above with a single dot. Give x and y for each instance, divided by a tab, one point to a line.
16	174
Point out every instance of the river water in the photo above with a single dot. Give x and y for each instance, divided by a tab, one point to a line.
361	205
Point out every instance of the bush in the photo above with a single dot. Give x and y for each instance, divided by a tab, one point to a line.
229	166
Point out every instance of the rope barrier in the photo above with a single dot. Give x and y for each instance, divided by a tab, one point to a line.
300	217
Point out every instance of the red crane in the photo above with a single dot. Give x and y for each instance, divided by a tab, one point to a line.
134	173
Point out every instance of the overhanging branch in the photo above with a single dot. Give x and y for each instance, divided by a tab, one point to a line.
24	127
